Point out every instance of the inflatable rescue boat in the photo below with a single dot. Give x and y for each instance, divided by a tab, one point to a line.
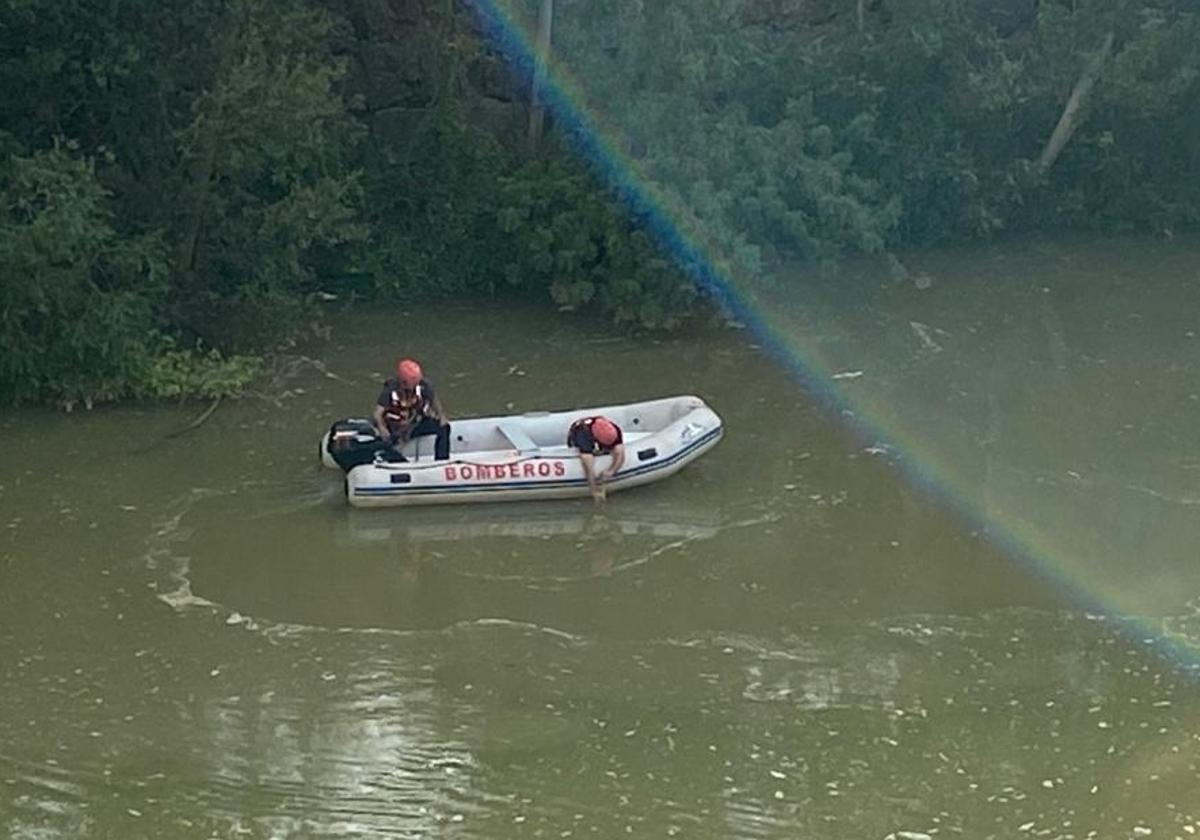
515	457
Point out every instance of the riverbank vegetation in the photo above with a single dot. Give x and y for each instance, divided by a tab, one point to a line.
182	183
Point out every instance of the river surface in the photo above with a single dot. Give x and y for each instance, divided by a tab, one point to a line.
951	592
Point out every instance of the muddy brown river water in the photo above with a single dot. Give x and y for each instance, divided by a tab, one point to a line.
950	592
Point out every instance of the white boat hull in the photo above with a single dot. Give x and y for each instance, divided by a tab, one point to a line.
525	457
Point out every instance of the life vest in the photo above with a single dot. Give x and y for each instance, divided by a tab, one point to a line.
405	407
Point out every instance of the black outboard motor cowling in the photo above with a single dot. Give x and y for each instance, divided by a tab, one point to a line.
353	442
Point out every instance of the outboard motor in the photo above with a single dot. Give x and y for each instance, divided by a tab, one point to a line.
353	442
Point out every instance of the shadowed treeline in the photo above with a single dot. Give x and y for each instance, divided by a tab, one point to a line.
181	182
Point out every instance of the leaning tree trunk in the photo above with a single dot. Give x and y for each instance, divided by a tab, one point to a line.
1071	115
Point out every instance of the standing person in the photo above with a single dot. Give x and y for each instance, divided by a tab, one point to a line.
594	436
407	408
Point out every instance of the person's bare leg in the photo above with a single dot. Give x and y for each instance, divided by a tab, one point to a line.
589	470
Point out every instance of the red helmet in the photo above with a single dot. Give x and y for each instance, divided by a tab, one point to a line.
409	373
604	431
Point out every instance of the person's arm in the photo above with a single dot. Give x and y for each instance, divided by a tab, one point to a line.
380	423
618	458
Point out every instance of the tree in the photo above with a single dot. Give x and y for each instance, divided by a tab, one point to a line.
77	303
264	171
177	172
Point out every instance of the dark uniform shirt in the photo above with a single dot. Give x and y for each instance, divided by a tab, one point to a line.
580	437
404	409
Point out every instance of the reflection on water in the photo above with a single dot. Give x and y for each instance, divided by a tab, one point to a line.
198	639
391	569
543	521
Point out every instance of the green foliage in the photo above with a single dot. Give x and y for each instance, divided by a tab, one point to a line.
568	237
803	134
1133	165
431	214
466	216
211	168
179	178
756	168
76	301
175	374
265	174
77	306
729	136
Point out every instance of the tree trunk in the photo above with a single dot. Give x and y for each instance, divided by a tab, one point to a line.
199	170
1069	121
200	181
537	108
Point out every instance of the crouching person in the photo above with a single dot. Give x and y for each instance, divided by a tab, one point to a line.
594	436
407	407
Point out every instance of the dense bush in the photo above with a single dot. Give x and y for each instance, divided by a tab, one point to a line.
173	171
468	216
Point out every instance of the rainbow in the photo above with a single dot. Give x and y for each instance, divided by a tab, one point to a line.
920	463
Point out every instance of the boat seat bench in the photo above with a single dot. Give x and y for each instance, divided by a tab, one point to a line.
517	437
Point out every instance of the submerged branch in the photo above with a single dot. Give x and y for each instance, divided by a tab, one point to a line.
198	422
